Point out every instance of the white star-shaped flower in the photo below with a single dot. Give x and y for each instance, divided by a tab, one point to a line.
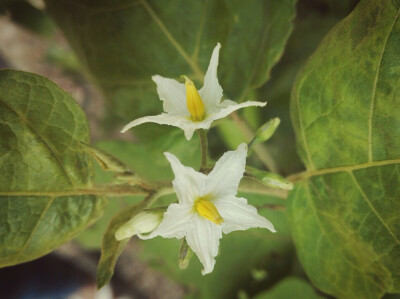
208	206
189	109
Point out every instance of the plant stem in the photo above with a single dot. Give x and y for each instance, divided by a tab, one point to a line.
259	149
105	190
272	207
247	185
204	145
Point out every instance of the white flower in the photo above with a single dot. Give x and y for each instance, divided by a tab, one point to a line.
188	108
142	223
208	206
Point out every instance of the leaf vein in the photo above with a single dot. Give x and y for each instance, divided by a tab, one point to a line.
51	150
365	197
195	67
371	110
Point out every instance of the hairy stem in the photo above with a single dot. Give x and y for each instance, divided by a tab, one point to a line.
204	146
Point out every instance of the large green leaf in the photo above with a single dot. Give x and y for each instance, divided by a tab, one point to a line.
123	43
345	211
42	168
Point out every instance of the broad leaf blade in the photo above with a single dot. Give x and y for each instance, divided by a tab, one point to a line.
42	167
123	43
345	107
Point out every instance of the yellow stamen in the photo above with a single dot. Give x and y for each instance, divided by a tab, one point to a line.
208	210
194	102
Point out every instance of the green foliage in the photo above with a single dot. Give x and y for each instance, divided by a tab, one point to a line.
43	167
344	212
240	254
123	43
139	156
290	288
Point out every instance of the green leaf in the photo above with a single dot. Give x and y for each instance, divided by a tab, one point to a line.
123	43
344	212
42	167
290	288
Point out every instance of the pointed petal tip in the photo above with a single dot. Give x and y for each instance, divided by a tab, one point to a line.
188	134
155	78
169	156
124	129
270	226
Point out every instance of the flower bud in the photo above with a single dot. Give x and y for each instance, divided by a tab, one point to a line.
270	179
266	131
142	223
185	254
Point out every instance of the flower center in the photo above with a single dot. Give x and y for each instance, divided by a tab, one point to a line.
194	102
208	210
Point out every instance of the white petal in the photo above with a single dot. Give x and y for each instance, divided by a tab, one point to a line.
175	224
211	92
224	179
173	95
227	107
203	238
239	215
162	119
188	183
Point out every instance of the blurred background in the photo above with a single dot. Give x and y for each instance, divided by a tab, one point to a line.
30	40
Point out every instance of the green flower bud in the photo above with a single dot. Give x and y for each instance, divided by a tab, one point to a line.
265	132
142	223
270	179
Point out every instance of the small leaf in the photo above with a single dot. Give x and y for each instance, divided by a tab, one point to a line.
42	168
107	161
344	212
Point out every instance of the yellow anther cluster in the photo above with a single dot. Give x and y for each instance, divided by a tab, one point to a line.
208	210
194	102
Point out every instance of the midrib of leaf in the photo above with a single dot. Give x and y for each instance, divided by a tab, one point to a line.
195	67
117	191
52	152
349	168
365	197
370	157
